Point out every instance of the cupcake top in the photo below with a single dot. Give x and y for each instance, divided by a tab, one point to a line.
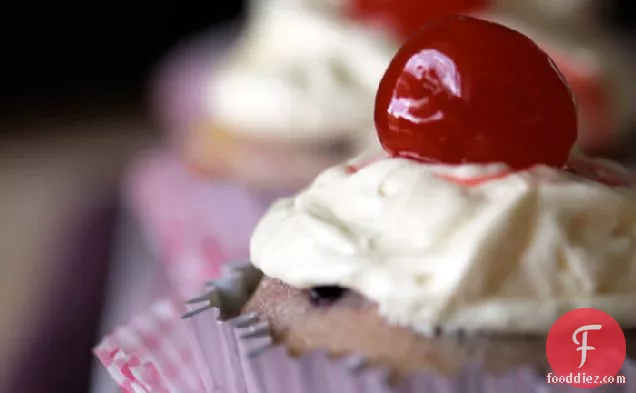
300	73
479	217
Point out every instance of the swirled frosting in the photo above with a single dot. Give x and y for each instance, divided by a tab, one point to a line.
471	247
300	73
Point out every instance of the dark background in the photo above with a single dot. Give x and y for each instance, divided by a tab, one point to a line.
74	103
54	53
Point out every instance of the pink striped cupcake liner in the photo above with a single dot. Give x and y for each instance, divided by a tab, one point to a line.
193	225
152	353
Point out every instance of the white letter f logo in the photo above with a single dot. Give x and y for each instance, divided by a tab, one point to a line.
584	347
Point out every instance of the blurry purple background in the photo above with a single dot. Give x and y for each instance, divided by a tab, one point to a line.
74	109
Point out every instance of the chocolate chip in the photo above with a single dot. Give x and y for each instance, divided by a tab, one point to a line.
326	295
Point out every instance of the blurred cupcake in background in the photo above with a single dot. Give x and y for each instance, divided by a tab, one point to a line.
251	113
554	14
292	96
404	17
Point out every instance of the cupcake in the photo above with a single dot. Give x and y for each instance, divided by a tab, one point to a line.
292	97
457	247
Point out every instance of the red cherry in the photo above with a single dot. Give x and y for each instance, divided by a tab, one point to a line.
405	17
464	90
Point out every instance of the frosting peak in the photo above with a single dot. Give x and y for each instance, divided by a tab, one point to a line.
510	253
300	73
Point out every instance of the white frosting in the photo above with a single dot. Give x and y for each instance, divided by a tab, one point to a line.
300	73
509	254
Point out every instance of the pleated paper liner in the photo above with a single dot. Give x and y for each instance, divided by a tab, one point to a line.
235	353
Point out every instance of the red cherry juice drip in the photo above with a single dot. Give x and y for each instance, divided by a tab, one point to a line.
471	182
353	168
580	165
464	90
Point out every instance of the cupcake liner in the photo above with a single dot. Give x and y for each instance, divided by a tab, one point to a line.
152	353
192	225
235	354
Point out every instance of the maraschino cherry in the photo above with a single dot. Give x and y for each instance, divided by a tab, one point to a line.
464	90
